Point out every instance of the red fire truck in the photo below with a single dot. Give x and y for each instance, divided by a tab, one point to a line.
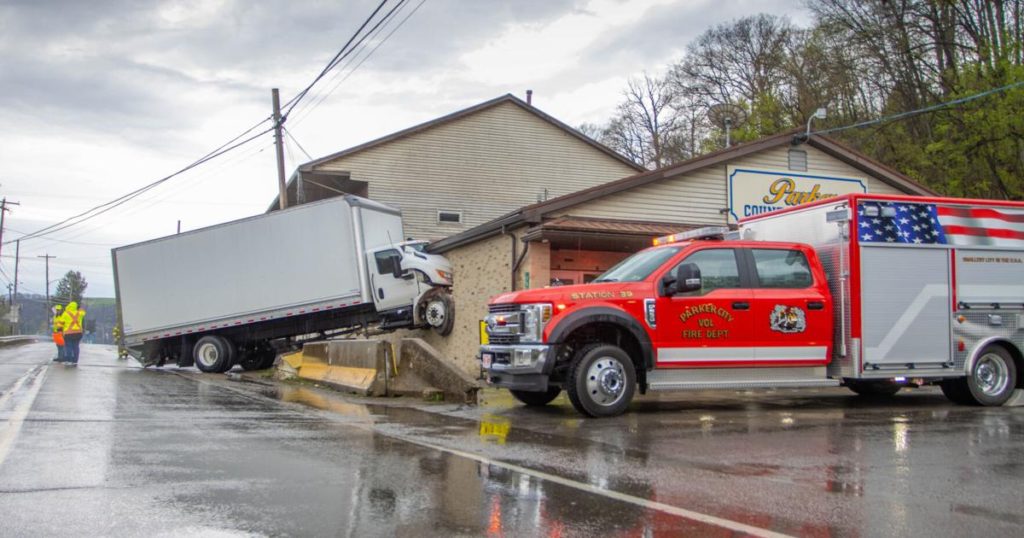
866	291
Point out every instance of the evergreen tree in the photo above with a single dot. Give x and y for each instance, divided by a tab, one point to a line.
71	288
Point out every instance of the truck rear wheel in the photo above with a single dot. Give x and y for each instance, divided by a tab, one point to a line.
213	354
993	377
260	357
601	380
957	392
536	399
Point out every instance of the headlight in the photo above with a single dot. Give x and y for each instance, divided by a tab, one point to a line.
446	275
535	317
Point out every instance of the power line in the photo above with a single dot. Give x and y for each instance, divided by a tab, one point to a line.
353	70
925	110
291	104
289	133
343	53
103	208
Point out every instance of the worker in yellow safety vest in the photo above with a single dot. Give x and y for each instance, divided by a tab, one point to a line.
58	338
72	322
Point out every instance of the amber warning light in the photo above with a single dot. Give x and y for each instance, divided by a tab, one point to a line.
708	232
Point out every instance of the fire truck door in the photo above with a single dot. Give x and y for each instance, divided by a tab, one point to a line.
791	313
711	326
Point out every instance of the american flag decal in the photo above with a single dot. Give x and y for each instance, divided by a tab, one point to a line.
931	224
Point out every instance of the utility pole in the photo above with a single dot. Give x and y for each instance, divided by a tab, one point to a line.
17	259
279	143
48	258
3	211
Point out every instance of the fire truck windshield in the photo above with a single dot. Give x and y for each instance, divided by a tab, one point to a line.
638	266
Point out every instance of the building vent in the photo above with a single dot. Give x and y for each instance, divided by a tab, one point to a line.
798	160
449	217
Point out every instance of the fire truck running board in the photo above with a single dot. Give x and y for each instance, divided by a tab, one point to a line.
739	378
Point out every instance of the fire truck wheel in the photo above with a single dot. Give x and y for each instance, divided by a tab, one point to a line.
601	380
873	388
993	378
536	399
213	354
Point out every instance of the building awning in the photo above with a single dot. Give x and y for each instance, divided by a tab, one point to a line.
582	233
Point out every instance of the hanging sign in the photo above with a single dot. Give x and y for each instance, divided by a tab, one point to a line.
755	192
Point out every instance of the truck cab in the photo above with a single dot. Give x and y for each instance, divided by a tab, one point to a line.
692	311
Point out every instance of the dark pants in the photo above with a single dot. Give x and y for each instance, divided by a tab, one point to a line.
71	342
60	353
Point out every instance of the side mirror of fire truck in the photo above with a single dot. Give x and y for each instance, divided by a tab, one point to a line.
685	278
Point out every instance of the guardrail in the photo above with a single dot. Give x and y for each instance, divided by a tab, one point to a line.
9	341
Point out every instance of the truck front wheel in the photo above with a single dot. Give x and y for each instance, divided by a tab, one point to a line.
438	310
213	354
601	380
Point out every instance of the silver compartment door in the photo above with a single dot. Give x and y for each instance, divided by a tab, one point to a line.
905	306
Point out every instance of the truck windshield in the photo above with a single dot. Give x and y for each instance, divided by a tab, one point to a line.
638	266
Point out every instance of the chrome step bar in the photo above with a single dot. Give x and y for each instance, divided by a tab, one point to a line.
739	378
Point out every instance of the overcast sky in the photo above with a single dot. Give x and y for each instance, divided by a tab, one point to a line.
102	97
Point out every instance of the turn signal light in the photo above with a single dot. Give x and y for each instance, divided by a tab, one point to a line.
960	346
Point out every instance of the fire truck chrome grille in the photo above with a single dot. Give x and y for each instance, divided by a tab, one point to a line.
504	339
502	308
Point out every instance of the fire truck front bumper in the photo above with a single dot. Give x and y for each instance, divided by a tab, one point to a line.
518	367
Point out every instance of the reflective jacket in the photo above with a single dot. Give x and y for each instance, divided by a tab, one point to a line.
73	319
57	325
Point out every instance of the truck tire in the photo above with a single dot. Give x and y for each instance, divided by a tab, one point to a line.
260	357
213	354
438	311
873	388
993	377
601	380
536	399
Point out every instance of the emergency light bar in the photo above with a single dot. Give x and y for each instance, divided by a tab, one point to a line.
707	232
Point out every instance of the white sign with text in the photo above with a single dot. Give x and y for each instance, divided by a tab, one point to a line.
755	192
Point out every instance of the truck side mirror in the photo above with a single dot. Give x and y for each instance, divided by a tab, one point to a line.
687	278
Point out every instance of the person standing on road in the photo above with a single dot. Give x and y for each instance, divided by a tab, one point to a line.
72	322
58	337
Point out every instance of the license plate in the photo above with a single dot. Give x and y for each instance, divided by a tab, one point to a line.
484	337
487	359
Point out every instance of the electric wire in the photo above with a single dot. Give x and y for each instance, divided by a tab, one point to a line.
289	133
294	101
924	110
103	208
340	56
353	70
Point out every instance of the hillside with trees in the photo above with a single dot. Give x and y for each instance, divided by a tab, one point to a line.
885	65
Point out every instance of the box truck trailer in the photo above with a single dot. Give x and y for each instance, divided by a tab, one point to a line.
236	292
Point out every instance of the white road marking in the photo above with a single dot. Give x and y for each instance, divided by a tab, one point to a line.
367	423
10	431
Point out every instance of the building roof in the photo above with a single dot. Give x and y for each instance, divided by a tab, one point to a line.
507	98
534	213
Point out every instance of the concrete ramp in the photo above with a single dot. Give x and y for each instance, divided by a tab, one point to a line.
371	368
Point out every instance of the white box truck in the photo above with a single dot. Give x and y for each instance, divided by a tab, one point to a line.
226	294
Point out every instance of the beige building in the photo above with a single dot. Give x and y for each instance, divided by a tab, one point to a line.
575	237
460	171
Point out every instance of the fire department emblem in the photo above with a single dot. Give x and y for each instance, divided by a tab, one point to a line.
788	319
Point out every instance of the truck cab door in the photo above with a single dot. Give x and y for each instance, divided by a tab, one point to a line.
792	309
709	327
392	286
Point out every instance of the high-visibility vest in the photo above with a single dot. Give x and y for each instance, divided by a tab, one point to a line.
73	321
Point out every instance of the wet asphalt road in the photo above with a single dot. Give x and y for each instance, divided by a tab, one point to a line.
114	450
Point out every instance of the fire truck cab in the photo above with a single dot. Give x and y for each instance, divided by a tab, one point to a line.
871	292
